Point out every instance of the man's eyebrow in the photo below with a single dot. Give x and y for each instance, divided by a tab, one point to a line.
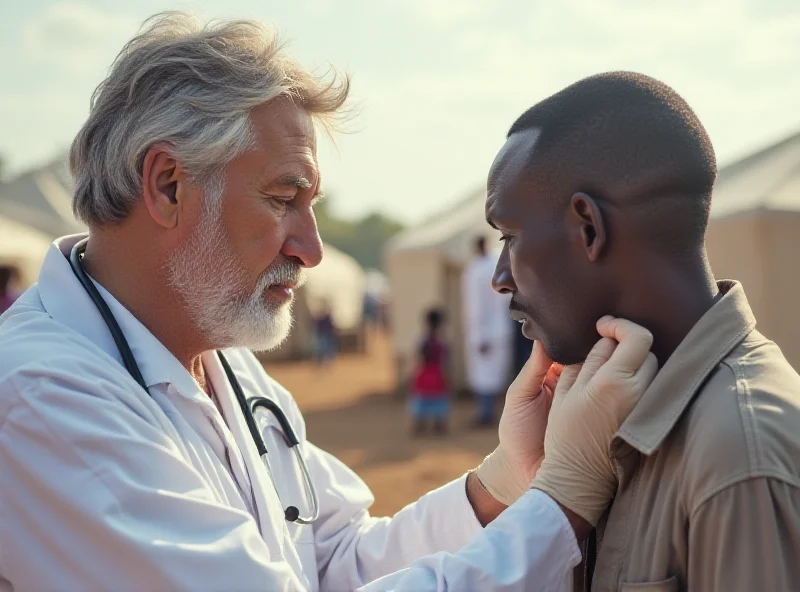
298	181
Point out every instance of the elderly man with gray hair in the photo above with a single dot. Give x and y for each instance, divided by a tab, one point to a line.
137	447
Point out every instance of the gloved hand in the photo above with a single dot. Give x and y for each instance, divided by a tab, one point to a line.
590	403
507	472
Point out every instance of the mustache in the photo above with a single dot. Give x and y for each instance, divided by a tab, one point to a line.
284	273
514	305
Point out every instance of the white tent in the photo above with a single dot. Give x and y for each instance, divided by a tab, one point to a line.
754	237
339	282
41	198
24	248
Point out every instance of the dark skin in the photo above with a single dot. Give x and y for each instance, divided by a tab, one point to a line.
570	257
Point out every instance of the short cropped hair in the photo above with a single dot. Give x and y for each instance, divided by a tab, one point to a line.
625	136
191	86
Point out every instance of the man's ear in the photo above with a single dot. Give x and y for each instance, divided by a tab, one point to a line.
586	213
163	184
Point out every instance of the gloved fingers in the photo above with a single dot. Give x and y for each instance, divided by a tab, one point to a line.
634	343
529	381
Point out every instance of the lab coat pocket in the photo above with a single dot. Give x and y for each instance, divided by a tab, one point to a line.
669	585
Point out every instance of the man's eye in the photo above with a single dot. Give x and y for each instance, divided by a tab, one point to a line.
504	238
279	202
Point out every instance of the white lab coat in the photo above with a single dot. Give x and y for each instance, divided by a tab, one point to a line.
106	488
486	320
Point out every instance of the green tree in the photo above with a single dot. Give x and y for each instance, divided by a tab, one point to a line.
362	239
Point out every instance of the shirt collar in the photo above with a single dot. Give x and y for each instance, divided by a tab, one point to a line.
67	302
714	336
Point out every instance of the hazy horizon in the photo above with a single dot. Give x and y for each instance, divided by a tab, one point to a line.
438	84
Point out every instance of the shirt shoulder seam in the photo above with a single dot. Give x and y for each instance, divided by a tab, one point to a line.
745	409
741	478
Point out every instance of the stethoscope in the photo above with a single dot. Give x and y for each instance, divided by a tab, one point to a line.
248	406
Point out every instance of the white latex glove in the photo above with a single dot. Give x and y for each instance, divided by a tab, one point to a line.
507	472
589	406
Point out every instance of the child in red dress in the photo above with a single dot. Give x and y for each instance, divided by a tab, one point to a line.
430	397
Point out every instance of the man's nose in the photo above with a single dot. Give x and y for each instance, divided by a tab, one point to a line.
502	280
304	243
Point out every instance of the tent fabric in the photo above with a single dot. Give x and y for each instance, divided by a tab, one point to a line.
766	180
42	199
340	282
22	247
452	232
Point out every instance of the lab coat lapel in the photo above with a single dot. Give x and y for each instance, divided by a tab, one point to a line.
270	512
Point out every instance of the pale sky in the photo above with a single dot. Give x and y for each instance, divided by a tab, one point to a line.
439	81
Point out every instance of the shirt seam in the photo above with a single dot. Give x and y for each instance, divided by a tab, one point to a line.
744	396
740	478
628	522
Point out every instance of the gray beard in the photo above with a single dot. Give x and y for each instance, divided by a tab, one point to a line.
211	283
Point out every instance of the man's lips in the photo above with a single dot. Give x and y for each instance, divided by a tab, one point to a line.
283	291
518	315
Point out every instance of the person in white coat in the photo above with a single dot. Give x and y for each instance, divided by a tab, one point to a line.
135	468
488	334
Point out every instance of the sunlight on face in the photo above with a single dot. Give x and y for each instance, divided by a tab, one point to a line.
213	285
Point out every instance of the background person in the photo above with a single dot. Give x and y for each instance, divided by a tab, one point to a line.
488	334
430	390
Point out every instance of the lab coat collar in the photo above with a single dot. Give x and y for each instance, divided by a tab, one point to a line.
68	303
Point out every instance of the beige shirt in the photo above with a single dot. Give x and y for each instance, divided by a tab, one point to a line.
709	468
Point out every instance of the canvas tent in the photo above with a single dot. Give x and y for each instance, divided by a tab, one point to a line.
24	248
338	281
42	199
754	237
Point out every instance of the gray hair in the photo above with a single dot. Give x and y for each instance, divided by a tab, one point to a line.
191	87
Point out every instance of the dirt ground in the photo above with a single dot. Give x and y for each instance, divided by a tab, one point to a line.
351	412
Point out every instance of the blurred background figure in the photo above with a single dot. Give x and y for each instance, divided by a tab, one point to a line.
8	287
376	300
324	335
488	334
430	391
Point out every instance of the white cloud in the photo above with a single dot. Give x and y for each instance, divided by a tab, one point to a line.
76	36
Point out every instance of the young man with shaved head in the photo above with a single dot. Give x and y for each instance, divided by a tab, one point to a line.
602	193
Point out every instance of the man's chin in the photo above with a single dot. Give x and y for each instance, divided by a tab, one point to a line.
274	334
